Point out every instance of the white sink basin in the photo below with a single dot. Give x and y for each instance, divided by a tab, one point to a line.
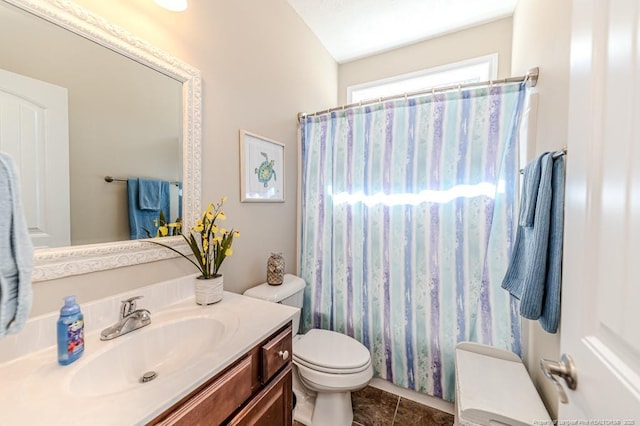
165	348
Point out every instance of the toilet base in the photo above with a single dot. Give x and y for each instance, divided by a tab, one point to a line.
304	411
305	401
321	408
333	408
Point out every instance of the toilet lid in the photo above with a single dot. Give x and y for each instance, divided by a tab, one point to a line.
329	350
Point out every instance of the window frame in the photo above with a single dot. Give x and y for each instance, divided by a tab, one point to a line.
491	60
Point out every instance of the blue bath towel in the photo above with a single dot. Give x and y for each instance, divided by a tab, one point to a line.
142	220
16	253
535	267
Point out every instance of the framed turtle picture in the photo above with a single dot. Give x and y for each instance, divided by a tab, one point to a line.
261	169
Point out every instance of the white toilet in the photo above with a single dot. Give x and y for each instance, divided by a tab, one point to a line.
328	365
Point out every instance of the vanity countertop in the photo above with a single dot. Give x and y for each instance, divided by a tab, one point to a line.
35	390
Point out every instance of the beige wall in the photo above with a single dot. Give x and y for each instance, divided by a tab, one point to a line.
124	118
493	37
260	66
549	50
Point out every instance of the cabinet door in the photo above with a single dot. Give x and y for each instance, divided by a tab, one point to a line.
217	401
271	407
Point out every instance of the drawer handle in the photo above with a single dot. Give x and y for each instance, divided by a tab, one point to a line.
283	354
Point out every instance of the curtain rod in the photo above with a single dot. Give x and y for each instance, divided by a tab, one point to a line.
112	179
530	78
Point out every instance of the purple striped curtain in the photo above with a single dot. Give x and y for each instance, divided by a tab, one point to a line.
406	226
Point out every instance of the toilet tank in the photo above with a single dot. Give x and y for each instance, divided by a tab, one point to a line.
290	293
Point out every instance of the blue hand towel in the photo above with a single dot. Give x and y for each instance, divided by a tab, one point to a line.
142	220
534	271
16	253
150	194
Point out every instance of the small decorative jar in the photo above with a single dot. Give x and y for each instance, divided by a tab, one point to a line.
275	269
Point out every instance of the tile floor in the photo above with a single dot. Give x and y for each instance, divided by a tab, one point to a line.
375	407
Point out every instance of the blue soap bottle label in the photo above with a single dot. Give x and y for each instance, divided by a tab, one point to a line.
75	336
70	330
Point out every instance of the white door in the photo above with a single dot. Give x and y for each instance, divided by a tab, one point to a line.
34	130
601	285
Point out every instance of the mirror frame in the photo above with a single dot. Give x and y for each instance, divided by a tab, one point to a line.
54	263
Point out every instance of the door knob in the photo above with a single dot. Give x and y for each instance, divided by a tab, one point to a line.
564	369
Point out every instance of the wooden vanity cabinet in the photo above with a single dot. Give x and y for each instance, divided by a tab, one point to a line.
254	390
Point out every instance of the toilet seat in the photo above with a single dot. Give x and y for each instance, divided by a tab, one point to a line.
332	382
331	352
329	370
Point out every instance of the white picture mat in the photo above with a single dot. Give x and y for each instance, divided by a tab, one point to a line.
254	151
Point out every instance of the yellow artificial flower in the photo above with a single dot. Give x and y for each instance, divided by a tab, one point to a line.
207	246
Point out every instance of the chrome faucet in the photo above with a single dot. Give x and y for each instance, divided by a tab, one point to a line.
130	319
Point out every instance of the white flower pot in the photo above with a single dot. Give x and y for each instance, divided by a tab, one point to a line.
209	290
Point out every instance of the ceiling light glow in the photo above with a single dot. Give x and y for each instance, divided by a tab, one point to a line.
173	5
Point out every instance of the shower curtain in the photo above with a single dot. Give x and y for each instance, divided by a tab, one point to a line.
407	220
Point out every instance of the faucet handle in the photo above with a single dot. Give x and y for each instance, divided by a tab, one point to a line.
128	306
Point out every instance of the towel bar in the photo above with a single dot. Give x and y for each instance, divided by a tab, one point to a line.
556	154
112	179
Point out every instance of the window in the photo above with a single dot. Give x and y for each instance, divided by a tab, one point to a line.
472	70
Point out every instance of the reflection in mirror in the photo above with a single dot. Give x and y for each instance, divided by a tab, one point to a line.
148	125
124	120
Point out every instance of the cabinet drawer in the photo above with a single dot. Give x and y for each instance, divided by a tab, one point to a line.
215	403
275	354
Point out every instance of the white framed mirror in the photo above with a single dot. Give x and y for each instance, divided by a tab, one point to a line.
58	262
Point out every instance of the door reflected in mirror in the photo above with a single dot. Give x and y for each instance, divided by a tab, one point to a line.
124	120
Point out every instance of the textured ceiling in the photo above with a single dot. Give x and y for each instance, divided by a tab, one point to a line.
352	29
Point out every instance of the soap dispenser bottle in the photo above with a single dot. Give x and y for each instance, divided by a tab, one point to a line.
70	332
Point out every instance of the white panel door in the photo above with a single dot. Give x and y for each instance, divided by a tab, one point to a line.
34	130
601	285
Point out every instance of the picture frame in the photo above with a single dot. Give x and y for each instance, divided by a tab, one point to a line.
261	169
